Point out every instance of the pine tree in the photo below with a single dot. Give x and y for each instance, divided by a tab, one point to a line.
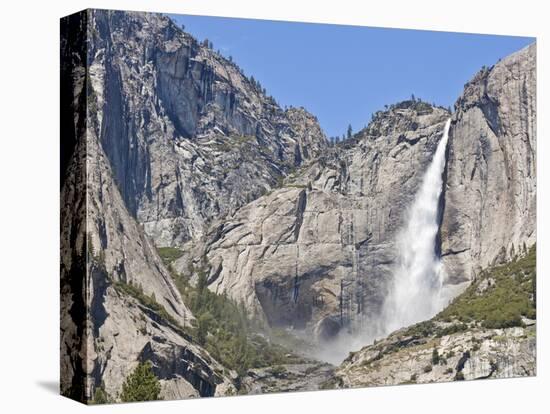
435	357
204	322
101	397
141	385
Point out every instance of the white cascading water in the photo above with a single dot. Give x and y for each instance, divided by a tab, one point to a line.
415	293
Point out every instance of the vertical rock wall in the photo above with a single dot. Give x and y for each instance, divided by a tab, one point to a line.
490	191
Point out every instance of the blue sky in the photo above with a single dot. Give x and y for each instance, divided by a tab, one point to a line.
342	74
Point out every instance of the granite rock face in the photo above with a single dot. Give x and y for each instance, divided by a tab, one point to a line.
317	253
474	354
106	331
490	187
189	136
168	143
307	376
119	304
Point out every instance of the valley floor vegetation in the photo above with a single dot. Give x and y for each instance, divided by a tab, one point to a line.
223	327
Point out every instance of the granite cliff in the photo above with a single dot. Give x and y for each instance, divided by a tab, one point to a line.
119	304
161	134
490	192
166	144
198	138
317	253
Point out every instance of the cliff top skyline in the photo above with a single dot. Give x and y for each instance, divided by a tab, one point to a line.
343	74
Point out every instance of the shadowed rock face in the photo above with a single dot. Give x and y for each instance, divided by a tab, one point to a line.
104	330
189	137
490	190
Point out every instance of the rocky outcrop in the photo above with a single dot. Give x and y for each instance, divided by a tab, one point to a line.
317	253
124	329
473	354
307	376
189	137
133	333
490	190
117	242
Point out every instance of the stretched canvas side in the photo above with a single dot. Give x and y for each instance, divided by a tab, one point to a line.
74	317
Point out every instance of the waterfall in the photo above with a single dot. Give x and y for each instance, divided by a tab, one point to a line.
415	292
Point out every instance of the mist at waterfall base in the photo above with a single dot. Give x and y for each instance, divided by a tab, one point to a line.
415	293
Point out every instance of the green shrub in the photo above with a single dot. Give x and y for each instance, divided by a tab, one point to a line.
101	397
423	107
435	357
204	322
169	254
504	302
141	385
451	329
136	291
422	329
